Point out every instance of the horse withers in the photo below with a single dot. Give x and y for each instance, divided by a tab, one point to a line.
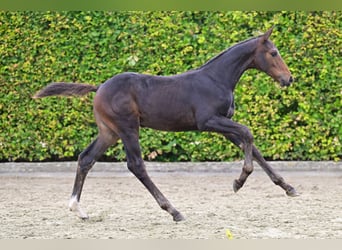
197	100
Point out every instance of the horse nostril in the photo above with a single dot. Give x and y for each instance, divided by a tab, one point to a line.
291	79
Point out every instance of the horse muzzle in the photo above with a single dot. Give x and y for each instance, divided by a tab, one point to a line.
286	81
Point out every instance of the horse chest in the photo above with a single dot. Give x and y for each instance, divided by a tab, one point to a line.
227	107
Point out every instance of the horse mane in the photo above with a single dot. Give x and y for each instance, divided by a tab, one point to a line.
227	51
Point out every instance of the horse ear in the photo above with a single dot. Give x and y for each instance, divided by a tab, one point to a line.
267	34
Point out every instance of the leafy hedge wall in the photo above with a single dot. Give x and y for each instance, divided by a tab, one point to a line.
302	122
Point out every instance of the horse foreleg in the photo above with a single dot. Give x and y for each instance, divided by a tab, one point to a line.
247	168
85	162
276	178
239	135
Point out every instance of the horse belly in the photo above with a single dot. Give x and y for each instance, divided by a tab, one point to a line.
168	121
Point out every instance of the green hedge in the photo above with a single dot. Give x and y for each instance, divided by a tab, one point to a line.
302	122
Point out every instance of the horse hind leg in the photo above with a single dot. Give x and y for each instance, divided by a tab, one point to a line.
86	160
136	165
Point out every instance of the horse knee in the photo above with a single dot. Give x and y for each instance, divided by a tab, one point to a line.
248	169
247	135
137	168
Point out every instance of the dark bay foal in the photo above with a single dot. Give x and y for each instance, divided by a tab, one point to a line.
200	99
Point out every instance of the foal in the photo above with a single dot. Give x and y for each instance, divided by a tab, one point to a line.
200	99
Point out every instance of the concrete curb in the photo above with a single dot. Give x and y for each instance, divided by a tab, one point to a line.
161	167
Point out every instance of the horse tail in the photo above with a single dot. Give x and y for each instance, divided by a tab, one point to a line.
65	89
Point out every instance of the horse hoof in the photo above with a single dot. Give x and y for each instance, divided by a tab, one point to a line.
84	218
80	214
236	185
178	217
74	206
292	192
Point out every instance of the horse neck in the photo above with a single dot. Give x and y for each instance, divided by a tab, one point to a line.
228	67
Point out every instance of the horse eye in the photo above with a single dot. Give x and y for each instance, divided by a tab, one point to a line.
274	53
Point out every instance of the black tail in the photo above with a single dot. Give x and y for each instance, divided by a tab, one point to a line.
66	89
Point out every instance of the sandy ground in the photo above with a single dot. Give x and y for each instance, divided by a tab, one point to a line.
33	204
